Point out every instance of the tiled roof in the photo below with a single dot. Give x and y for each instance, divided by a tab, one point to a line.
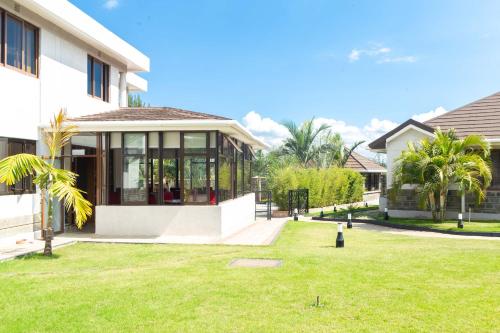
148	113
380	142
363	164
479	117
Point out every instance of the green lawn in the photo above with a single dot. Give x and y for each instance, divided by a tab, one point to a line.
473	226
378	283
342	213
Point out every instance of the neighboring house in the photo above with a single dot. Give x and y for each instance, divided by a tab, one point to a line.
373	173
480	117
171	168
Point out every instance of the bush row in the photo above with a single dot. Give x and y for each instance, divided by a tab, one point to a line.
327	187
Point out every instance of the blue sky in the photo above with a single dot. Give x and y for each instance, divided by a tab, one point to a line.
360	66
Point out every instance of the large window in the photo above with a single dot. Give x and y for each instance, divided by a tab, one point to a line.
97	79
196	173
9	147
19	43
134	170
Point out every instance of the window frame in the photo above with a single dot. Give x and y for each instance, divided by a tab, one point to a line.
4	14
105	78
26	183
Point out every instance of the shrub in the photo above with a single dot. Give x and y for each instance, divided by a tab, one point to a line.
327	187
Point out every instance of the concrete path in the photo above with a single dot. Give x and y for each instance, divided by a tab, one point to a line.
12	250
389	230
262	232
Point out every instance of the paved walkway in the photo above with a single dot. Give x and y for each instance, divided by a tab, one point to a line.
12	250
389	230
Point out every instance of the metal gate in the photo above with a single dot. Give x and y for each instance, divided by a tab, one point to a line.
263	201
298	199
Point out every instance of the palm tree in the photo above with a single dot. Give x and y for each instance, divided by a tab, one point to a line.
435	165
54	183
301	142
334	150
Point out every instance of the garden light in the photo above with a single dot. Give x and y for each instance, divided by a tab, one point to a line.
340	237
460	223
321	214
386	214
295	214
349	221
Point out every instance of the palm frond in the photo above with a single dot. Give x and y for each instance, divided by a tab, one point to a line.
14	168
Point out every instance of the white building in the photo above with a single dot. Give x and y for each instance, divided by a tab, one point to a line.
55	56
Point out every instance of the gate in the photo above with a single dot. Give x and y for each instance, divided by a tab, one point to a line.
263	201
298	199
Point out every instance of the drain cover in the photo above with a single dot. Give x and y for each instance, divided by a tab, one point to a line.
256	263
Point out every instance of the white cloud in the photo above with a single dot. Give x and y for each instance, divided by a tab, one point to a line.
111	4
429	115
386	60
273	133
380	54
266	129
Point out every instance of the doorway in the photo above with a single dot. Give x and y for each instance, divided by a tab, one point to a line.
85	168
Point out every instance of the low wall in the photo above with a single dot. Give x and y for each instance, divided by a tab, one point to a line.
19	217
189	220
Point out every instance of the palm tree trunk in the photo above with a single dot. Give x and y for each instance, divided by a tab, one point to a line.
48	231
432	203
442	204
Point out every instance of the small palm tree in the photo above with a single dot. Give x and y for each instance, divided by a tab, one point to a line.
334	150
54	183
301	142
435	165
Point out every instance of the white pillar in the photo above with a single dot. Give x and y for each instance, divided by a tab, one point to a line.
123	102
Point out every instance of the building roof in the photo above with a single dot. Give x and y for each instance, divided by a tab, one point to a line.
157	119
379	143
74	21
479	117
361	163
148	113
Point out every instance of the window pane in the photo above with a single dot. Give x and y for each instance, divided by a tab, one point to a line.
89	75
195	142
195	179
30	49
14	149
14	42
105	83
30	148
4	151
135	143
153	176
171	140
171	187
97	79
134	182
115	176
225	189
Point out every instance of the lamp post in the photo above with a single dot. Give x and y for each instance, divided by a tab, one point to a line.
460	223
349	221
321	214
295	214
340	236
335	209
386	213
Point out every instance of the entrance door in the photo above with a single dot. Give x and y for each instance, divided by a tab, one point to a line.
85	168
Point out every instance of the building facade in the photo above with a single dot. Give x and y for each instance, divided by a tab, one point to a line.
480	117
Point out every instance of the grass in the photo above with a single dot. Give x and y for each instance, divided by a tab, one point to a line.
450	225
378	283
342	212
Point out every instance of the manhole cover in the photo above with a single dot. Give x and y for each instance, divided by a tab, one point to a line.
256	263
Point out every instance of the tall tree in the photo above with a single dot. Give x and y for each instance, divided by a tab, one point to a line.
135	101
436	164
54	183
302	141
334	151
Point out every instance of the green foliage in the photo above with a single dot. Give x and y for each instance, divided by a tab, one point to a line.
136	101
433	165
327	187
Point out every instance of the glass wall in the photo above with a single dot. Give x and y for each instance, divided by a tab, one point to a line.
165	168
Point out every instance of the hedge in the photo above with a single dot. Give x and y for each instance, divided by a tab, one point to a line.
327	187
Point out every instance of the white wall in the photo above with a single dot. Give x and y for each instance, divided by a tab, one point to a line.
397	145
237	214
212	222
26	102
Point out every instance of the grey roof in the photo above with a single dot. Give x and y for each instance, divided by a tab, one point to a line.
148	113
480	117
361	163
